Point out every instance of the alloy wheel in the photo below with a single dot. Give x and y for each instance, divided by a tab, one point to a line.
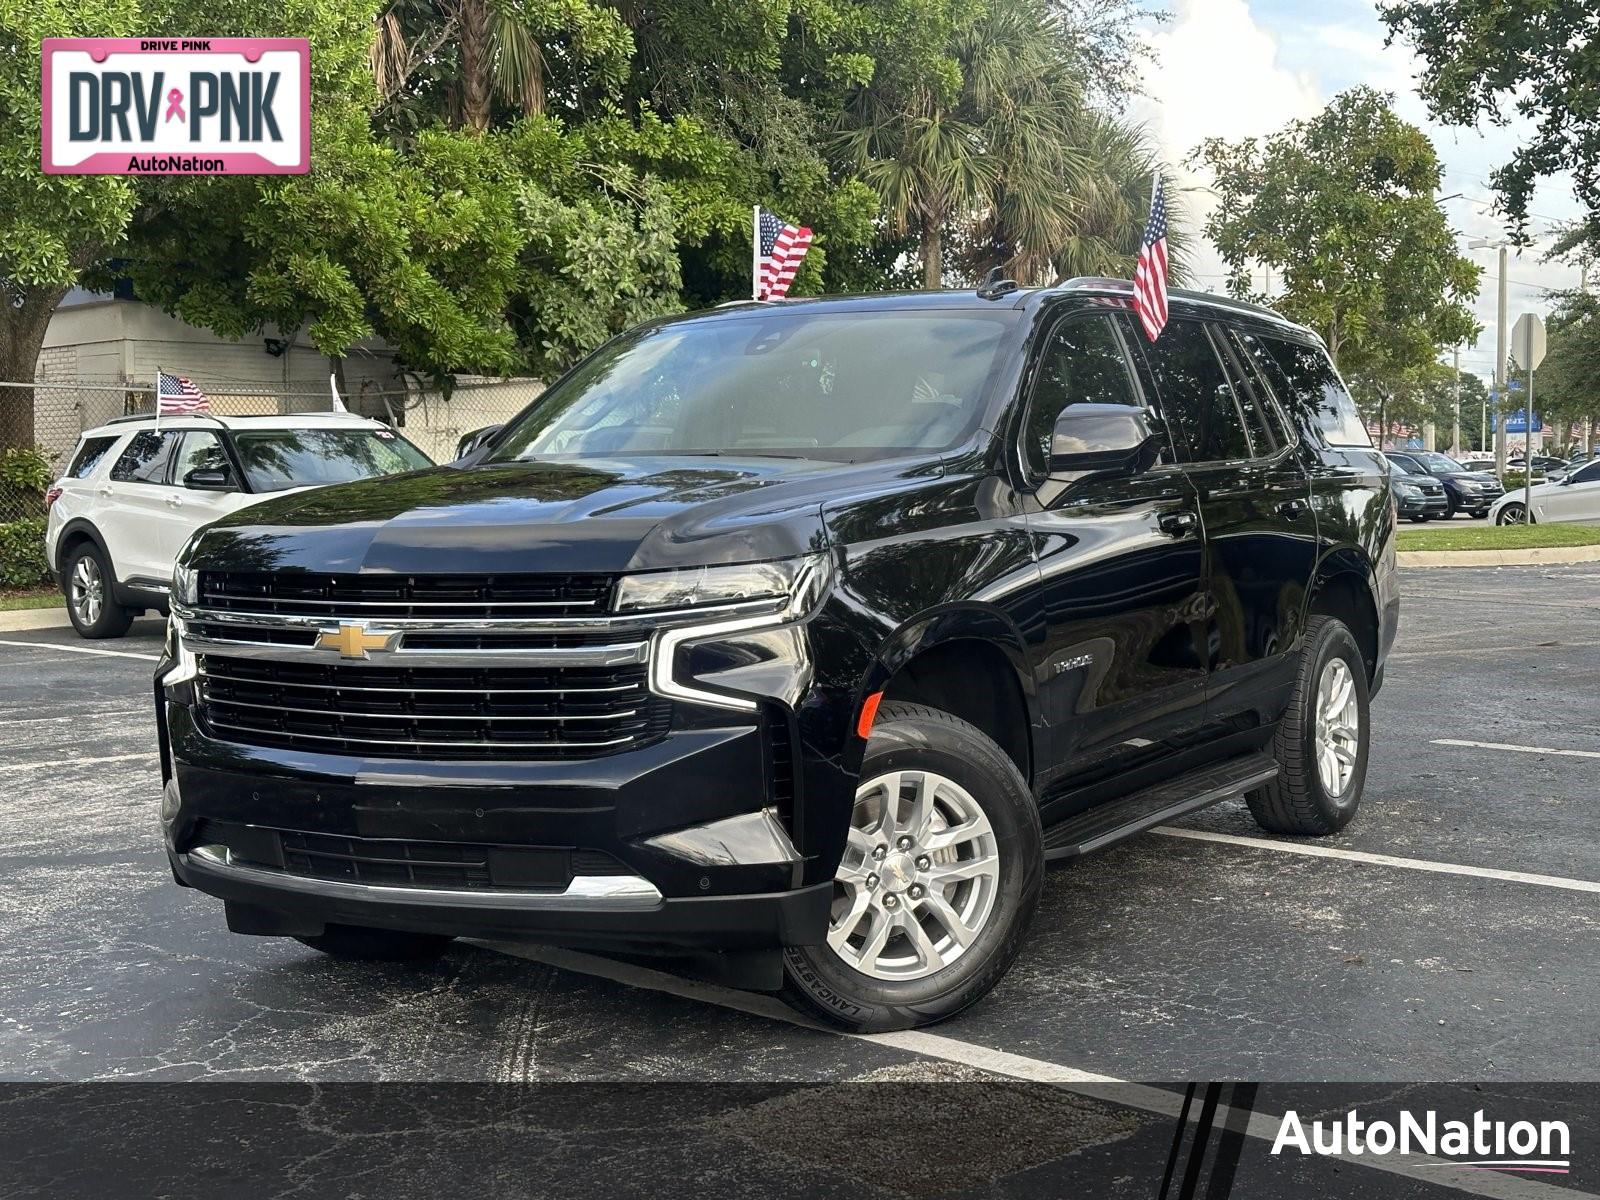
1511	514
919	877
1338	727
88	590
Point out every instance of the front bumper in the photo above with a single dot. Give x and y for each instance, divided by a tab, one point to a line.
1422	506
620	914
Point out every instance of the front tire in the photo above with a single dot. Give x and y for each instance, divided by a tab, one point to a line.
86	582
938	883
1322	741
377	945
1511	514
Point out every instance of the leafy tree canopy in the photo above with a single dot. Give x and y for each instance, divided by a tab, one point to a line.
1487	59
1341	206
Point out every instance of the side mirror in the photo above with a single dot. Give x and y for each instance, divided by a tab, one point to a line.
1102	437
208	479
476	440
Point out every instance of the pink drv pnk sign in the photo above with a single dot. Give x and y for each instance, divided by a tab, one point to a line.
177	106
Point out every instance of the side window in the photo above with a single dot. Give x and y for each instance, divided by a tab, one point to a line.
200	451
1082	363
145	460
1261	416
1313	393
89	456
1588	473
1196	396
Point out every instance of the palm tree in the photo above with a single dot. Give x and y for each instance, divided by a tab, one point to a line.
1016	169
1001	141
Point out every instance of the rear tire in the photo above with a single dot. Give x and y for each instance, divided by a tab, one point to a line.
959	841
1322	740
87	582
378	945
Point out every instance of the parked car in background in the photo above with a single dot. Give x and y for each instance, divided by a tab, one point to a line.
1541	463
1416	497
1575	498
1477	462
134	492
1466	491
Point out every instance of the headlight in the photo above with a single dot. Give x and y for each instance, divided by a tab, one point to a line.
1410	491
791	585
185	585
1468	485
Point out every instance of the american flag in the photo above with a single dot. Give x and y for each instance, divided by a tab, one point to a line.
175	395
780	248
1150	276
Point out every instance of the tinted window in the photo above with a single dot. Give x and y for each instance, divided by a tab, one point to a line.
1310	388
275	459
1261	416
814	385
1407	464
145	460
1588	473
89	456
1082	363
1196	397
201	451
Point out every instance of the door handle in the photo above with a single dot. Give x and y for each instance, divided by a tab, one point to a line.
104	489
1180	523
174	501
1293	509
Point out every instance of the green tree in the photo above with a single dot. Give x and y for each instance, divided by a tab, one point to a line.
52	227
1485	59
1341	206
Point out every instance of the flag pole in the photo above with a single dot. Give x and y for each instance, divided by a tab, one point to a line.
333	386
755	253
157	397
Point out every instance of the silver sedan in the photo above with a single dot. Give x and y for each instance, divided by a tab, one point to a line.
1575	498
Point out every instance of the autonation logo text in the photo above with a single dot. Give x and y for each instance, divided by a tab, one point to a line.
1481	1144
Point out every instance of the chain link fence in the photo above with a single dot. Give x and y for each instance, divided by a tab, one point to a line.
435	420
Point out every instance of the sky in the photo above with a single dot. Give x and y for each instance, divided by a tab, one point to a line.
1237	68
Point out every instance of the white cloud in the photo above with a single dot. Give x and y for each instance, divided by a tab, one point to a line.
1217	73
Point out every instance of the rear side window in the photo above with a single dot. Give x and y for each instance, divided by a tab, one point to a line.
1196	396
1312	391
91	452
145	460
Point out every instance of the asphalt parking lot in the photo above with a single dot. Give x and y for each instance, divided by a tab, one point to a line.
1449	934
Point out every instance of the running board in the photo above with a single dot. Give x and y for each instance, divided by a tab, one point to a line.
1109	823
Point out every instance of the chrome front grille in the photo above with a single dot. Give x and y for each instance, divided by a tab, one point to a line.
378	595
474	712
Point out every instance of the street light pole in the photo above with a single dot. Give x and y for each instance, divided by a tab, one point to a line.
1455	406
1500	348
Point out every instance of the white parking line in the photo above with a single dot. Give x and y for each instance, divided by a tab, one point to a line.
1380	860
1517	749
1109	1089
82	650
75	762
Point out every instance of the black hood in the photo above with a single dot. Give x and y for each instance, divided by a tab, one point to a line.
597	515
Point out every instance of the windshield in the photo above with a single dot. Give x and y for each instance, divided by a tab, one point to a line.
792	384
1438	462
275	459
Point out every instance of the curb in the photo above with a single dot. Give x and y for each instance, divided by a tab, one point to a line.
33	618
1539	556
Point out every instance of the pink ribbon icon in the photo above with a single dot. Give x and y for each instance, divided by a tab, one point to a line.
175	106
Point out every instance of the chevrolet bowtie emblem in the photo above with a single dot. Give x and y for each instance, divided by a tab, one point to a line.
353	641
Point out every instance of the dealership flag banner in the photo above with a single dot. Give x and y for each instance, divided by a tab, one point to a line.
779	247
170	106
176	396
1150	275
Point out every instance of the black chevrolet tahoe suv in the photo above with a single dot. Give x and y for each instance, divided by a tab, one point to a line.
793	640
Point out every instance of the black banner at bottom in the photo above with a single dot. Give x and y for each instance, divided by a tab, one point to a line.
960	1137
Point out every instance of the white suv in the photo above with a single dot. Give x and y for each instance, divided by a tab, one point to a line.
135	492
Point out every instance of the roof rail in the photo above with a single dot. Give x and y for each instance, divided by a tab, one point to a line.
194	416
1099	283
